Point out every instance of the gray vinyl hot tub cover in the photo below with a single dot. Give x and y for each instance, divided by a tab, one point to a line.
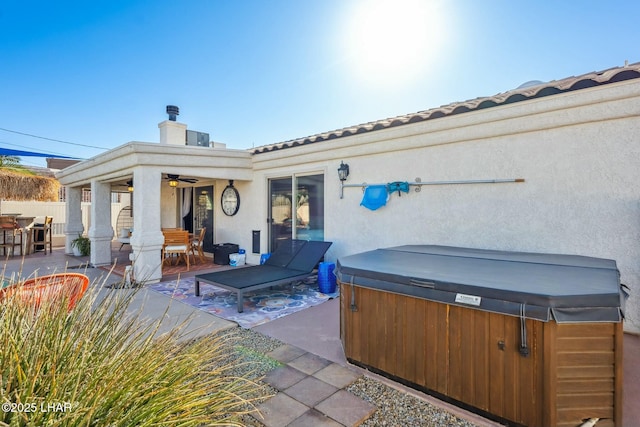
567	288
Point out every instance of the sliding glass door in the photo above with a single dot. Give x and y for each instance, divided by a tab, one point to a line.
309	207
296	209
281	191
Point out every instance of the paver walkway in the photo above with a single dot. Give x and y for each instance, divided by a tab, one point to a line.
311	392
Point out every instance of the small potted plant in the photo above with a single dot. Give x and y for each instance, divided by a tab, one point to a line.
81	246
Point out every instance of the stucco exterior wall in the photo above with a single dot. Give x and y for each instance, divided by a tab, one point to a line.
579	154
237	228
169	207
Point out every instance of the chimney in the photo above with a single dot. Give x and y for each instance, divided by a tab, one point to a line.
173	111
171	131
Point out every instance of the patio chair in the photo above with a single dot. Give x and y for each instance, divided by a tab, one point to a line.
293	260
196	246
124	226
47	288
124	238
176	242
11	235
41	235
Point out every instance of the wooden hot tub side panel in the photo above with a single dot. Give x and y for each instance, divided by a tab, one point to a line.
453	351
588	360
515	380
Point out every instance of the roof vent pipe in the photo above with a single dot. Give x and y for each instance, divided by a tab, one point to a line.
172	111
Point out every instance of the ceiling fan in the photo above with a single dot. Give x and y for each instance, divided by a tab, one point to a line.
128	184
173	180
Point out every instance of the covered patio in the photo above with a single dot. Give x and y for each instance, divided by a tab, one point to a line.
155	203
120	261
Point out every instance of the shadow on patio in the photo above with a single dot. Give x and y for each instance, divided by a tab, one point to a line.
120	258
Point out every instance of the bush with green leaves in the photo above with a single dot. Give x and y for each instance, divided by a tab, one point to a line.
82	244
102	364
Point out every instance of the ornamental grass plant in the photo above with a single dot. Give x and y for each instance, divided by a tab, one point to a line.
102	364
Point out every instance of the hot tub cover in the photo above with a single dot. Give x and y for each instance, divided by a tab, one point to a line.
567	288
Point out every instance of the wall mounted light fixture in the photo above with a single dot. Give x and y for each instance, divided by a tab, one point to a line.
343	173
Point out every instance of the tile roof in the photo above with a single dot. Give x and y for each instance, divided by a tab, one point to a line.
530	90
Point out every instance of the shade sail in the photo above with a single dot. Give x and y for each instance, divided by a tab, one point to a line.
567	288
22	153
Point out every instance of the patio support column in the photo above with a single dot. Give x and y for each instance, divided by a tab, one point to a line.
73	210
100	231
146	238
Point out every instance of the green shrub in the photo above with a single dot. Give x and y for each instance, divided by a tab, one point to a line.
102	365
82	244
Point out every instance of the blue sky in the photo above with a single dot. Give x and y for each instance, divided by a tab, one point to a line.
254	72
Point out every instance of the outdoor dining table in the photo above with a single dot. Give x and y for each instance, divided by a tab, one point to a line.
25	221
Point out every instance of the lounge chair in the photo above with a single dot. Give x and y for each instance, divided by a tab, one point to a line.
293	260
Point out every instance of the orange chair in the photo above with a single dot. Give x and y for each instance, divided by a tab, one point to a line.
52	287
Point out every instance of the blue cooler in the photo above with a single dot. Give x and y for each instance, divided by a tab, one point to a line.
326	277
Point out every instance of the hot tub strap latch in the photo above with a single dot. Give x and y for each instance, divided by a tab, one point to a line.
353	296
524	350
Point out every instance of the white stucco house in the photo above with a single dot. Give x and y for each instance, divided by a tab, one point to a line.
575	142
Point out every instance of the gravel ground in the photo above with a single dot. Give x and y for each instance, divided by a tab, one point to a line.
246	352
395	408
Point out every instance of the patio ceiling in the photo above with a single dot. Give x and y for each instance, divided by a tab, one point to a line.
121	185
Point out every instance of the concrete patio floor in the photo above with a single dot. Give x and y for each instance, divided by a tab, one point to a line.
313	348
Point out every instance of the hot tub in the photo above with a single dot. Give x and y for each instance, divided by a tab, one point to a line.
524	338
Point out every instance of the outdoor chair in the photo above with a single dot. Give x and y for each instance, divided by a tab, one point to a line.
11	235
124	226
41	235
294	260
176	242
47	288
124	238
196	246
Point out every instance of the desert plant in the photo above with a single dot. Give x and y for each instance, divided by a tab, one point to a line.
82	244
101	364
12	163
